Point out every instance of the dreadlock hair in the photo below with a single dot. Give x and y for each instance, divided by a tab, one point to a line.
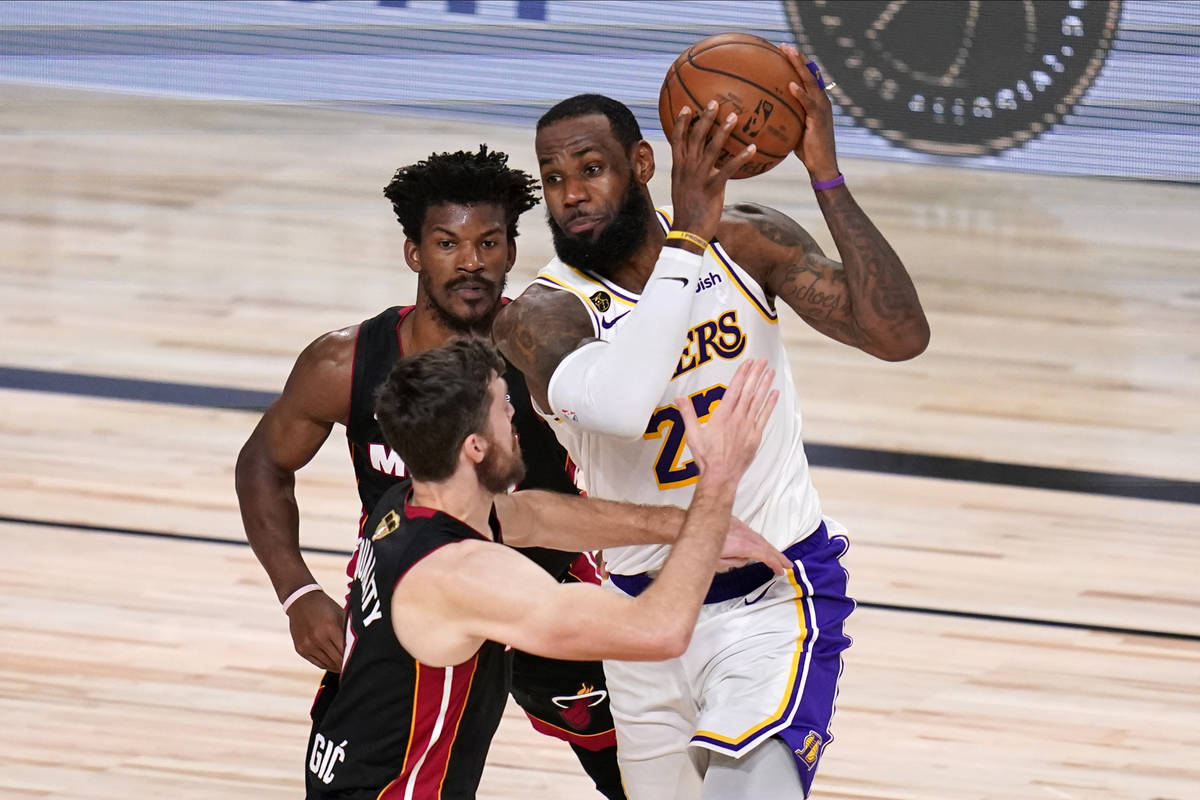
460	178
624	125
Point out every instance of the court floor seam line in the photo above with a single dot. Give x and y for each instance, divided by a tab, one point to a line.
862	459
940	612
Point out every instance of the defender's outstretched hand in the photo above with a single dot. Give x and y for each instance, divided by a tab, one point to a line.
724	446
743	545
697	180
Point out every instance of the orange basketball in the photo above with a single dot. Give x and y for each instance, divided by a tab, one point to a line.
747	75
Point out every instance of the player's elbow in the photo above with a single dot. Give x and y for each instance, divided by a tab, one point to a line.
254	469
666	638
674	643
623	414
243	468
629	429
905	344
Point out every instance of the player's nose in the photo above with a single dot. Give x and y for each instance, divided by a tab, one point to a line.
574	191
470	259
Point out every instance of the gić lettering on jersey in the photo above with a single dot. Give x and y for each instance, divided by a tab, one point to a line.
326	754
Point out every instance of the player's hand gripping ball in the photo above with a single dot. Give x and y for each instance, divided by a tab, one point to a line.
749	76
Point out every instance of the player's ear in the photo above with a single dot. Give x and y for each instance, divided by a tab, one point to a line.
643	162
412	255
512	255
474	448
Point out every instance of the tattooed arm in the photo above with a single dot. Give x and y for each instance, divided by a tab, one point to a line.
609	387
868	301
537	331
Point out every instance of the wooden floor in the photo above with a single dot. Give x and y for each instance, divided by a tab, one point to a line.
207	243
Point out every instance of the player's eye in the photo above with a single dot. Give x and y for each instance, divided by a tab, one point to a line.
550	179
592	169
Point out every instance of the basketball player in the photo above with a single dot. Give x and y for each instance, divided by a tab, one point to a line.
665	304
459	213
436	592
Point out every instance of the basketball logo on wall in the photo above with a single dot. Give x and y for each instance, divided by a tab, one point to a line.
956	78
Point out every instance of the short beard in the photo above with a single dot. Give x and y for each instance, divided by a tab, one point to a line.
479	326
497	476
615	244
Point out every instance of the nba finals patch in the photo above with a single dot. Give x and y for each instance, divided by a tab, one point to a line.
601	300
811	748
387	526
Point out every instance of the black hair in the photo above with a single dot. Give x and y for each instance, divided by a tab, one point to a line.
432	401
460	178
624	125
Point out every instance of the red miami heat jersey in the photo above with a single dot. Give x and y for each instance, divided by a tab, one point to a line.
393	727
377	467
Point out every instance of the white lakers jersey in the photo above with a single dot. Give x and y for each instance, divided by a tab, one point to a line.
731	321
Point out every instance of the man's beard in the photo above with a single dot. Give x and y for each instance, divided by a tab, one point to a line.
500	471
479	325
615	244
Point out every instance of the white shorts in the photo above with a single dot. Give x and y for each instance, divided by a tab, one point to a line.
762	663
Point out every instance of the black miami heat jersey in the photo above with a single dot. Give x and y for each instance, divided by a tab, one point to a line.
377	468
396	728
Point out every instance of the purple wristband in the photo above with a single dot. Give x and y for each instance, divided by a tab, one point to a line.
838	181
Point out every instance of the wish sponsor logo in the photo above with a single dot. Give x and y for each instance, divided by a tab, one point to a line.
708	281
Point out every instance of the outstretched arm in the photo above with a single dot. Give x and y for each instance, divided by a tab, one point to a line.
548	336
868	300
537	518
289	434
441	619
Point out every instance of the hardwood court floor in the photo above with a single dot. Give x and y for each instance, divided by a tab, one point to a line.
207	243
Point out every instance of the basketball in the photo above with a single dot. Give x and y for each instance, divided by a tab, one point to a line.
748	75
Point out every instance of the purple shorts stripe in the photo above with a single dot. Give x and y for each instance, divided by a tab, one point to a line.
804	717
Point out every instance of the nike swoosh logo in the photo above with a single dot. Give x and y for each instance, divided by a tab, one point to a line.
766	589
684	281
604	323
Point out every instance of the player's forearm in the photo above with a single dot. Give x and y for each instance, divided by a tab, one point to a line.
613	387
884	300
673	601
271	518
566	522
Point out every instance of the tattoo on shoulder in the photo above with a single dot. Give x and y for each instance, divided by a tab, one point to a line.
536	332
786	233
775	227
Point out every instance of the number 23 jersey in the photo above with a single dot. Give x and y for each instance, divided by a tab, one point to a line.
732	320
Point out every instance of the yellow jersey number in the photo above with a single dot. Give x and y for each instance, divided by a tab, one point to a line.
667	423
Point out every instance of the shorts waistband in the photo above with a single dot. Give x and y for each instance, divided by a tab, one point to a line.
736	582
